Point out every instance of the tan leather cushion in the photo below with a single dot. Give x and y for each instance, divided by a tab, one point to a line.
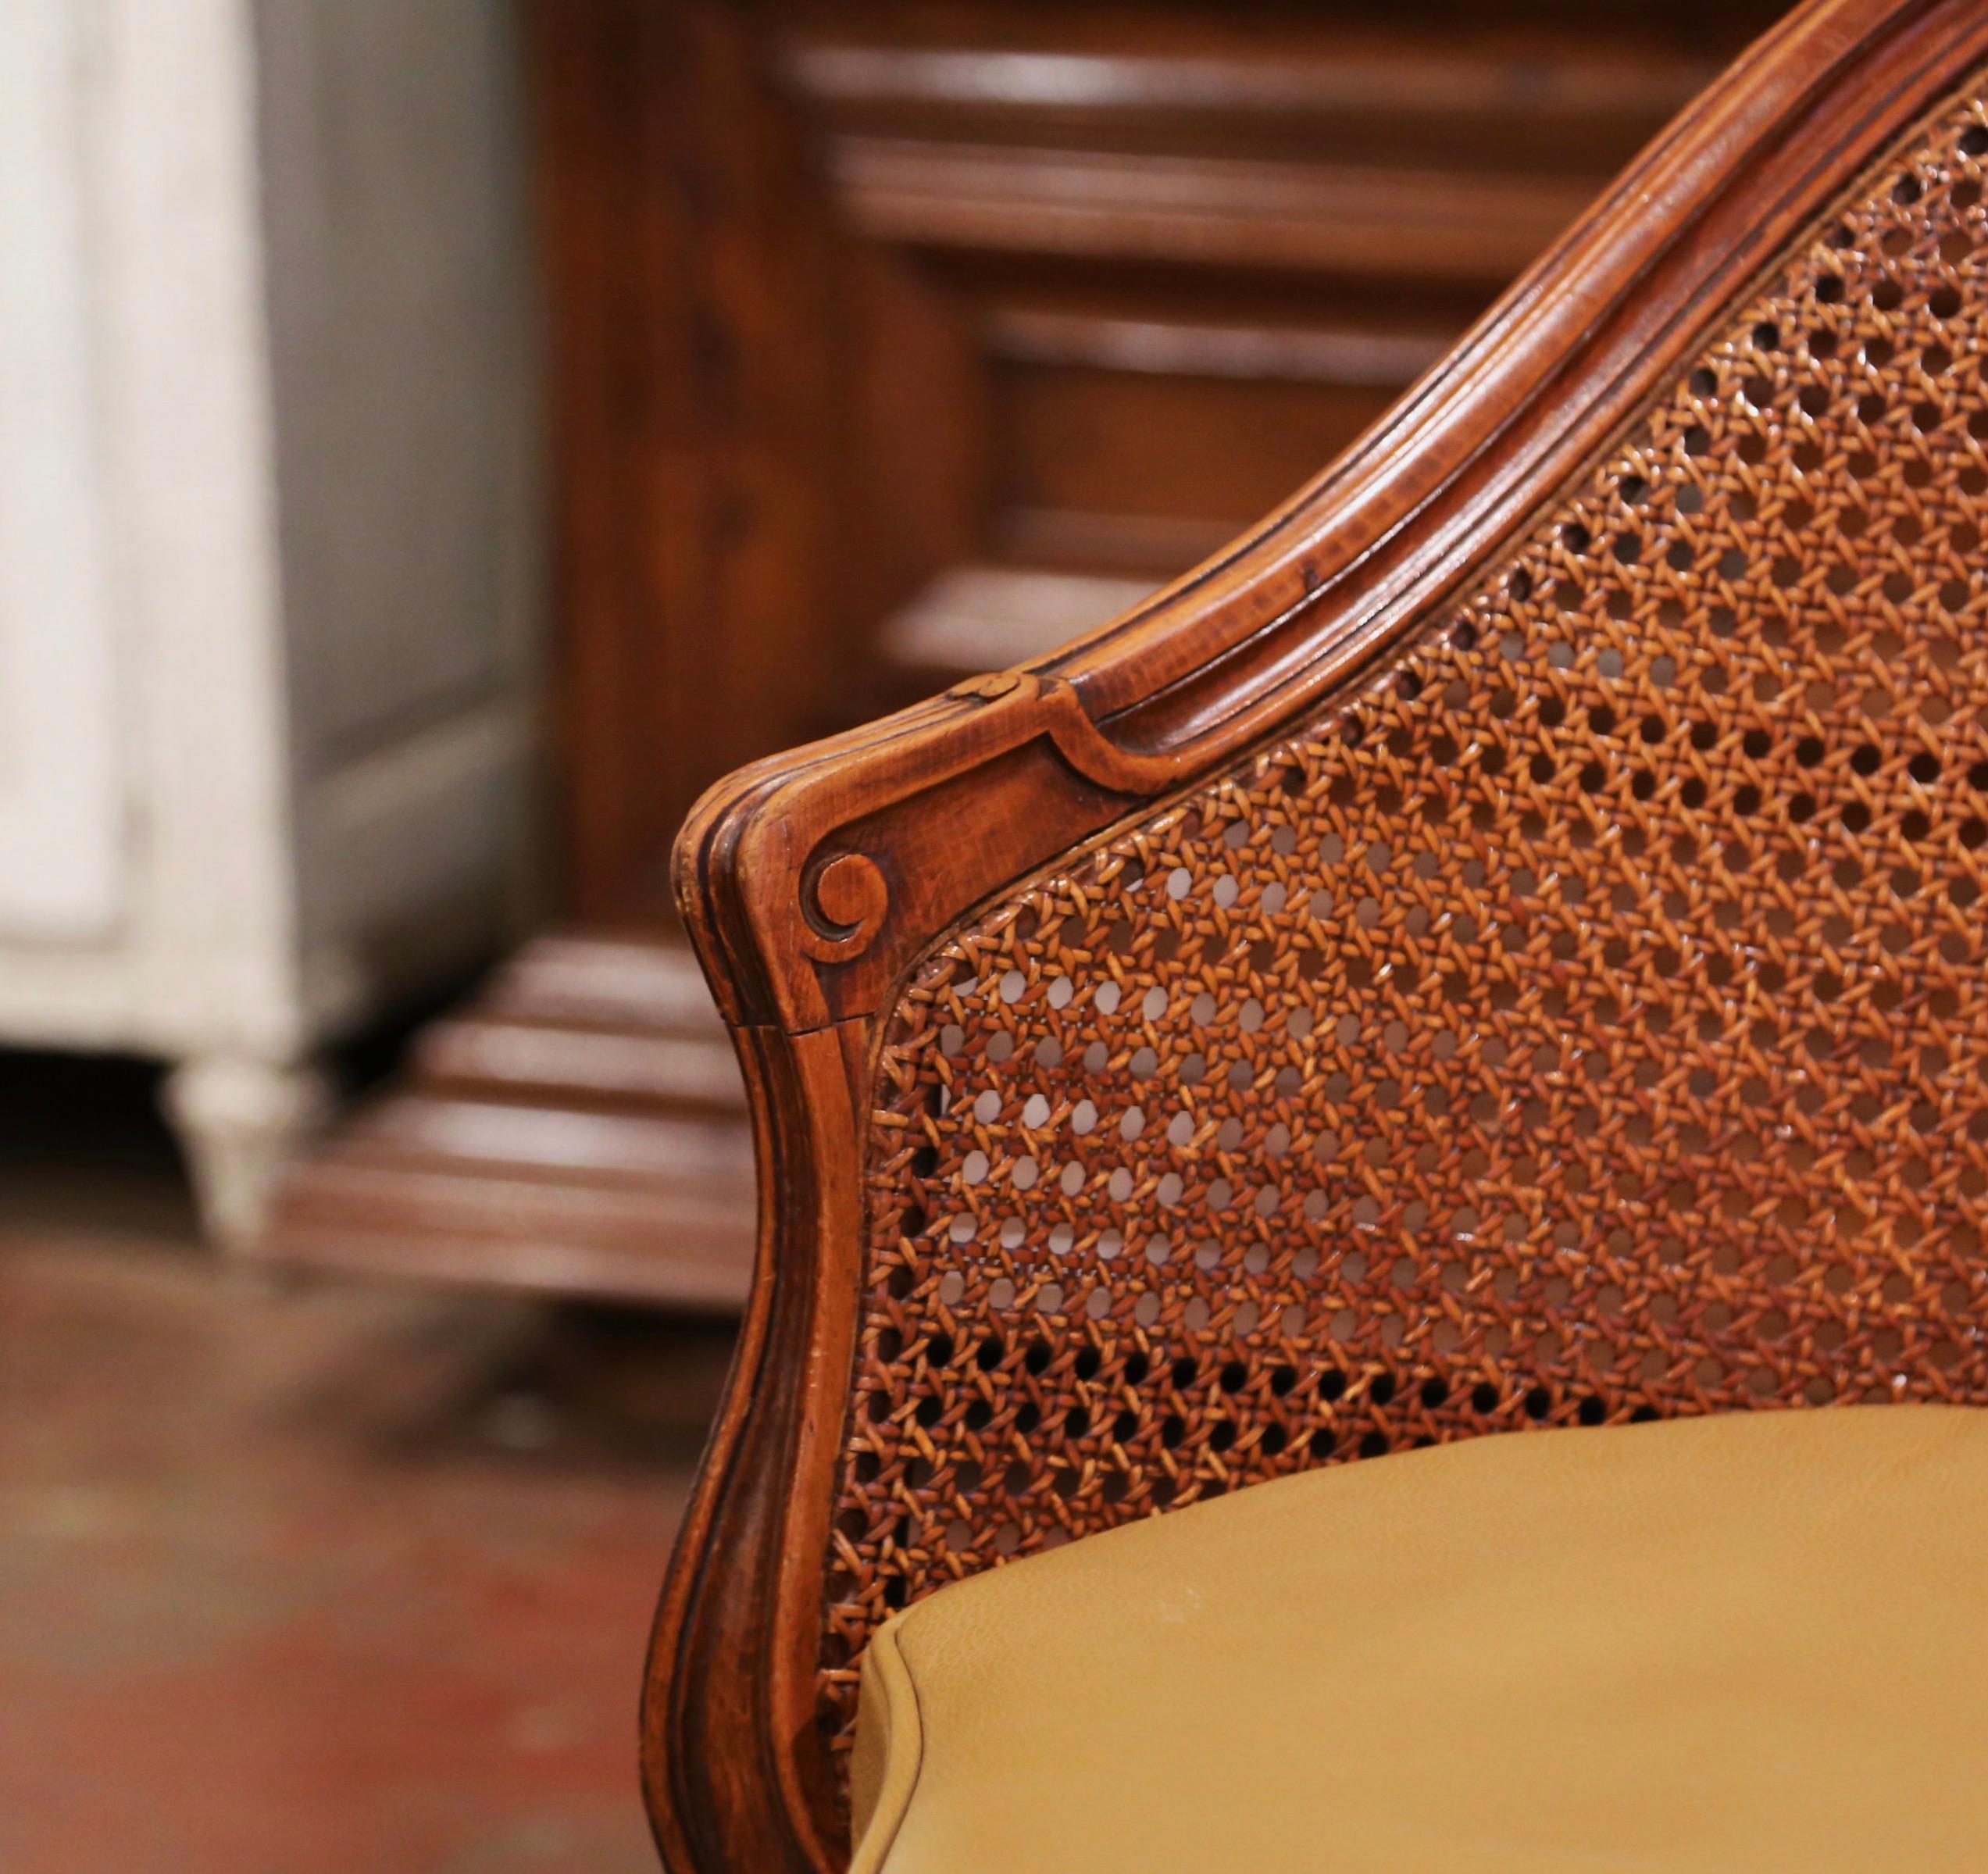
1755	1642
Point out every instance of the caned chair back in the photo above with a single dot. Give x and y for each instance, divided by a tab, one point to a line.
1502	947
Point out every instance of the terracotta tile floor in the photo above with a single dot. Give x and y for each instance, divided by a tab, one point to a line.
338	1580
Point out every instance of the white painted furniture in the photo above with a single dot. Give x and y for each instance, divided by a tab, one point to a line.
267	534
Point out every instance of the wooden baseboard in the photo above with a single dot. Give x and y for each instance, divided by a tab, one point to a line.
577	1129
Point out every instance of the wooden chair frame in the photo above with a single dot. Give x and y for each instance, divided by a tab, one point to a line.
813	883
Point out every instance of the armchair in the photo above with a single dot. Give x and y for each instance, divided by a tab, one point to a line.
1500	949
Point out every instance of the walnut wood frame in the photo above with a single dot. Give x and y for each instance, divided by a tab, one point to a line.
812	883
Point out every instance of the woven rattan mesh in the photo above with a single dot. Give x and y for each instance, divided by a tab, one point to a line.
1581	1022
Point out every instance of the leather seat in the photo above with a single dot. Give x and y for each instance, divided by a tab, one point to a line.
1750	1643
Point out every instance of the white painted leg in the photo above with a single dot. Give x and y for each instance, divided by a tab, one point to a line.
240	1121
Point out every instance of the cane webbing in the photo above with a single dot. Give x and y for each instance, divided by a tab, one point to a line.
1580	1020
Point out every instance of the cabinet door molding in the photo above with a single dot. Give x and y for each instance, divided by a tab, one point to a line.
61	833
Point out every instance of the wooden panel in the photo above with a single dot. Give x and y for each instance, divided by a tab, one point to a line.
1548	87
694	396
1202	251
1103	442
734	392
1202	211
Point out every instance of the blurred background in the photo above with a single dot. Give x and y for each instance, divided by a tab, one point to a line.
437	438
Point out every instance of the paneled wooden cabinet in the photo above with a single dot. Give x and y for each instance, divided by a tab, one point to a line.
894	339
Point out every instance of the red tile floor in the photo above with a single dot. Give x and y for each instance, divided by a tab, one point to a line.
326	1581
